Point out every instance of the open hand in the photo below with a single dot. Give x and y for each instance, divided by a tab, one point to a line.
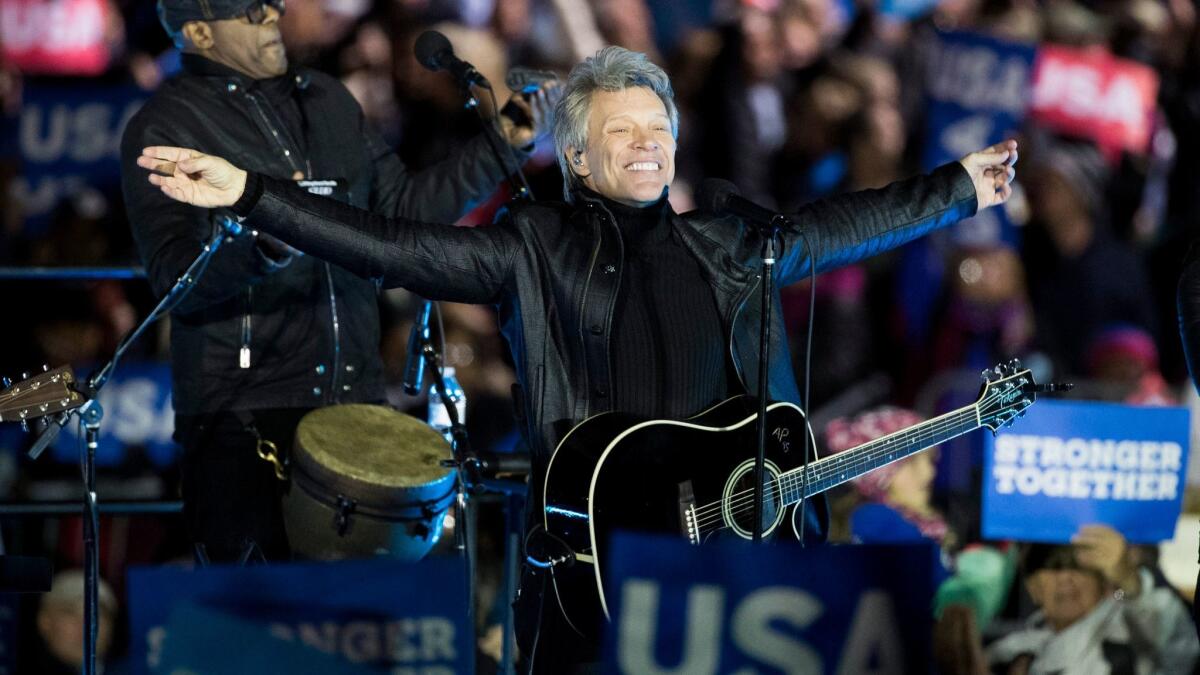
539	109
992	172
193	177
1102	548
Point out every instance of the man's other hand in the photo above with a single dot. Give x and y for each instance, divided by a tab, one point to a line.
193	177
992	171
539	109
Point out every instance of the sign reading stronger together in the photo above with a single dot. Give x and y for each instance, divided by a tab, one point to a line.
1069	464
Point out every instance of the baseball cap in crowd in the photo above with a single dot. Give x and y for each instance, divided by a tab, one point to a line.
173	14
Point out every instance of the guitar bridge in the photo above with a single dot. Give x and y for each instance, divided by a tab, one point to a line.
687	513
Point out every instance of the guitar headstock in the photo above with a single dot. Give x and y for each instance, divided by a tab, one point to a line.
43	394
1008	390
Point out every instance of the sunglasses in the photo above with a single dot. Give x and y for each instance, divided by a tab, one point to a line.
257	13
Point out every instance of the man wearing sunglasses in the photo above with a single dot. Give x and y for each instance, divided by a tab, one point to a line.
268	334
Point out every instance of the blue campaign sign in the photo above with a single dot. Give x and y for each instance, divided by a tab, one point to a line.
68	140
1069	464
727	607
137	412
977	91
365	615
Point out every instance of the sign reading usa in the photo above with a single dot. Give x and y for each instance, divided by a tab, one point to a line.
1070	464
727	607
1091	92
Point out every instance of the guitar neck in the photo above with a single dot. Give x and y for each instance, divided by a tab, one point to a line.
850	464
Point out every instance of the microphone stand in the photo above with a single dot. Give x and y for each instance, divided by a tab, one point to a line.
516	179
468	479
91	414
769	233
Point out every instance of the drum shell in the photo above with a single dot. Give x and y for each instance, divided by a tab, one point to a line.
331	512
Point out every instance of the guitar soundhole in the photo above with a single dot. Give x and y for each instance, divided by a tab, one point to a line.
738	504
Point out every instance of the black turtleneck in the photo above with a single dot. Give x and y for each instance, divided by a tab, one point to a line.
668	346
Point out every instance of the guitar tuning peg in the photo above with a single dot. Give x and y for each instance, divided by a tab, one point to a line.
45	368
985	374
25	426
24	375
5	382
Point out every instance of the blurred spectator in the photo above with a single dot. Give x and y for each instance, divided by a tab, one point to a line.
60	623
987	318
1125	358
1098	612
742	106
891	503
1080	276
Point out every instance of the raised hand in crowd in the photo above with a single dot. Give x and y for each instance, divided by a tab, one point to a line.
1102	548
193	177
992	170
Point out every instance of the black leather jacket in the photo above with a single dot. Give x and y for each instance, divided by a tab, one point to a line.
553	271
251	334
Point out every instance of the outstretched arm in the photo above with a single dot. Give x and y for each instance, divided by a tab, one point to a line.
854	226
439	262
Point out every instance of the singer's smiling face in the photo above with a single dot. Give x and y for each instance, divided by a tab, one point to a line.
630	154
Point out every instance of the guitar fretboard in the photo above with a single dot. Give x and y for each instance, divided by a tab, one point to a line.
850	464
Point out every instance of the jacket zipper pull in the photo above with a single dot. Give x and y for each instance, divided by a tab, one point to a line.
244	352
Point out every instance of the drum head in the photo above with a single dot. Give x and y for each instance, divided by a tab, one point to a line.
384	456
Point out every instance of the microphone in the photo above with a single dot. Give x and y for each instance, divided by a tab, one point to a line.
527	80
721	196
414	364
433	50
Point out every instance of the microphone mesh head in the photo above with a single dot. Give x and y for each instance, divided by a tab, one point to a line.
430	47
714	193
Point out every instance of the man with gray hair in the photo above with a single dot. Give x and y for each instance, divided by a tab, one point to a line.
267	334
611	302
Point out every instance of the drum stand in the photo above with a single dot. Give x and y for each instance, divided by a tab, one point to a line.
91	414
470	480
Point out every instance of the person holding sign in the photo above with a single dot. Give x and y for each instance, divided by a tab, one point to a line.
1098	612
610	301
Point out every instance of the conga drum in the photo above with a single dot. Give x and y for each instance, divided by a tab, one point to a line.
366	481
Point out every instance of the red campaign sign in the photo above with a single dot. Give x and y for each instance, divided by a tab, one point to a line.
55	37
1092	93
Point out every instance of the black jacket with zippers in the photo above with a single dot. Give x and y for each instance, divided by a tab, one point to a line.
554	270
254	334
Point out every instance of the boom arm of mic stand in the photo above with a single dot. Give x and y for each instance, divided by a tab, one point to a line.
184	284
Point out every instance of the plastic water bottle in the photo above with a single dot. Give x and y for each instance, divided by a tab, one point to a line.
439	418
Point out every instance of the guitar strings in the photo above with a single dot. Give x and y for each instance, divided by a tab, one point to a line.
858	461
708	514
704	514
738	502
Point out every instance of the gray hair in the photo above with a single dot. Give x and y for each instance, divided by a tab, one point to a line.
611	69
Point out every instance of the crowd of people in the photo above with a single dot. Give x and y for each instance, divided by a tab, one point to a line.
792	101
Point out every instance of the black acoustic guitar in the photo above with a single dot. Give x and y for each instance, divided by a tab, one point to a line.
694	477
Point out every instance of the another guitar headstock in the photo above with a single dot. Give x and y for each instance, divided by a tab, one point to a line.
1007	391
46	393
